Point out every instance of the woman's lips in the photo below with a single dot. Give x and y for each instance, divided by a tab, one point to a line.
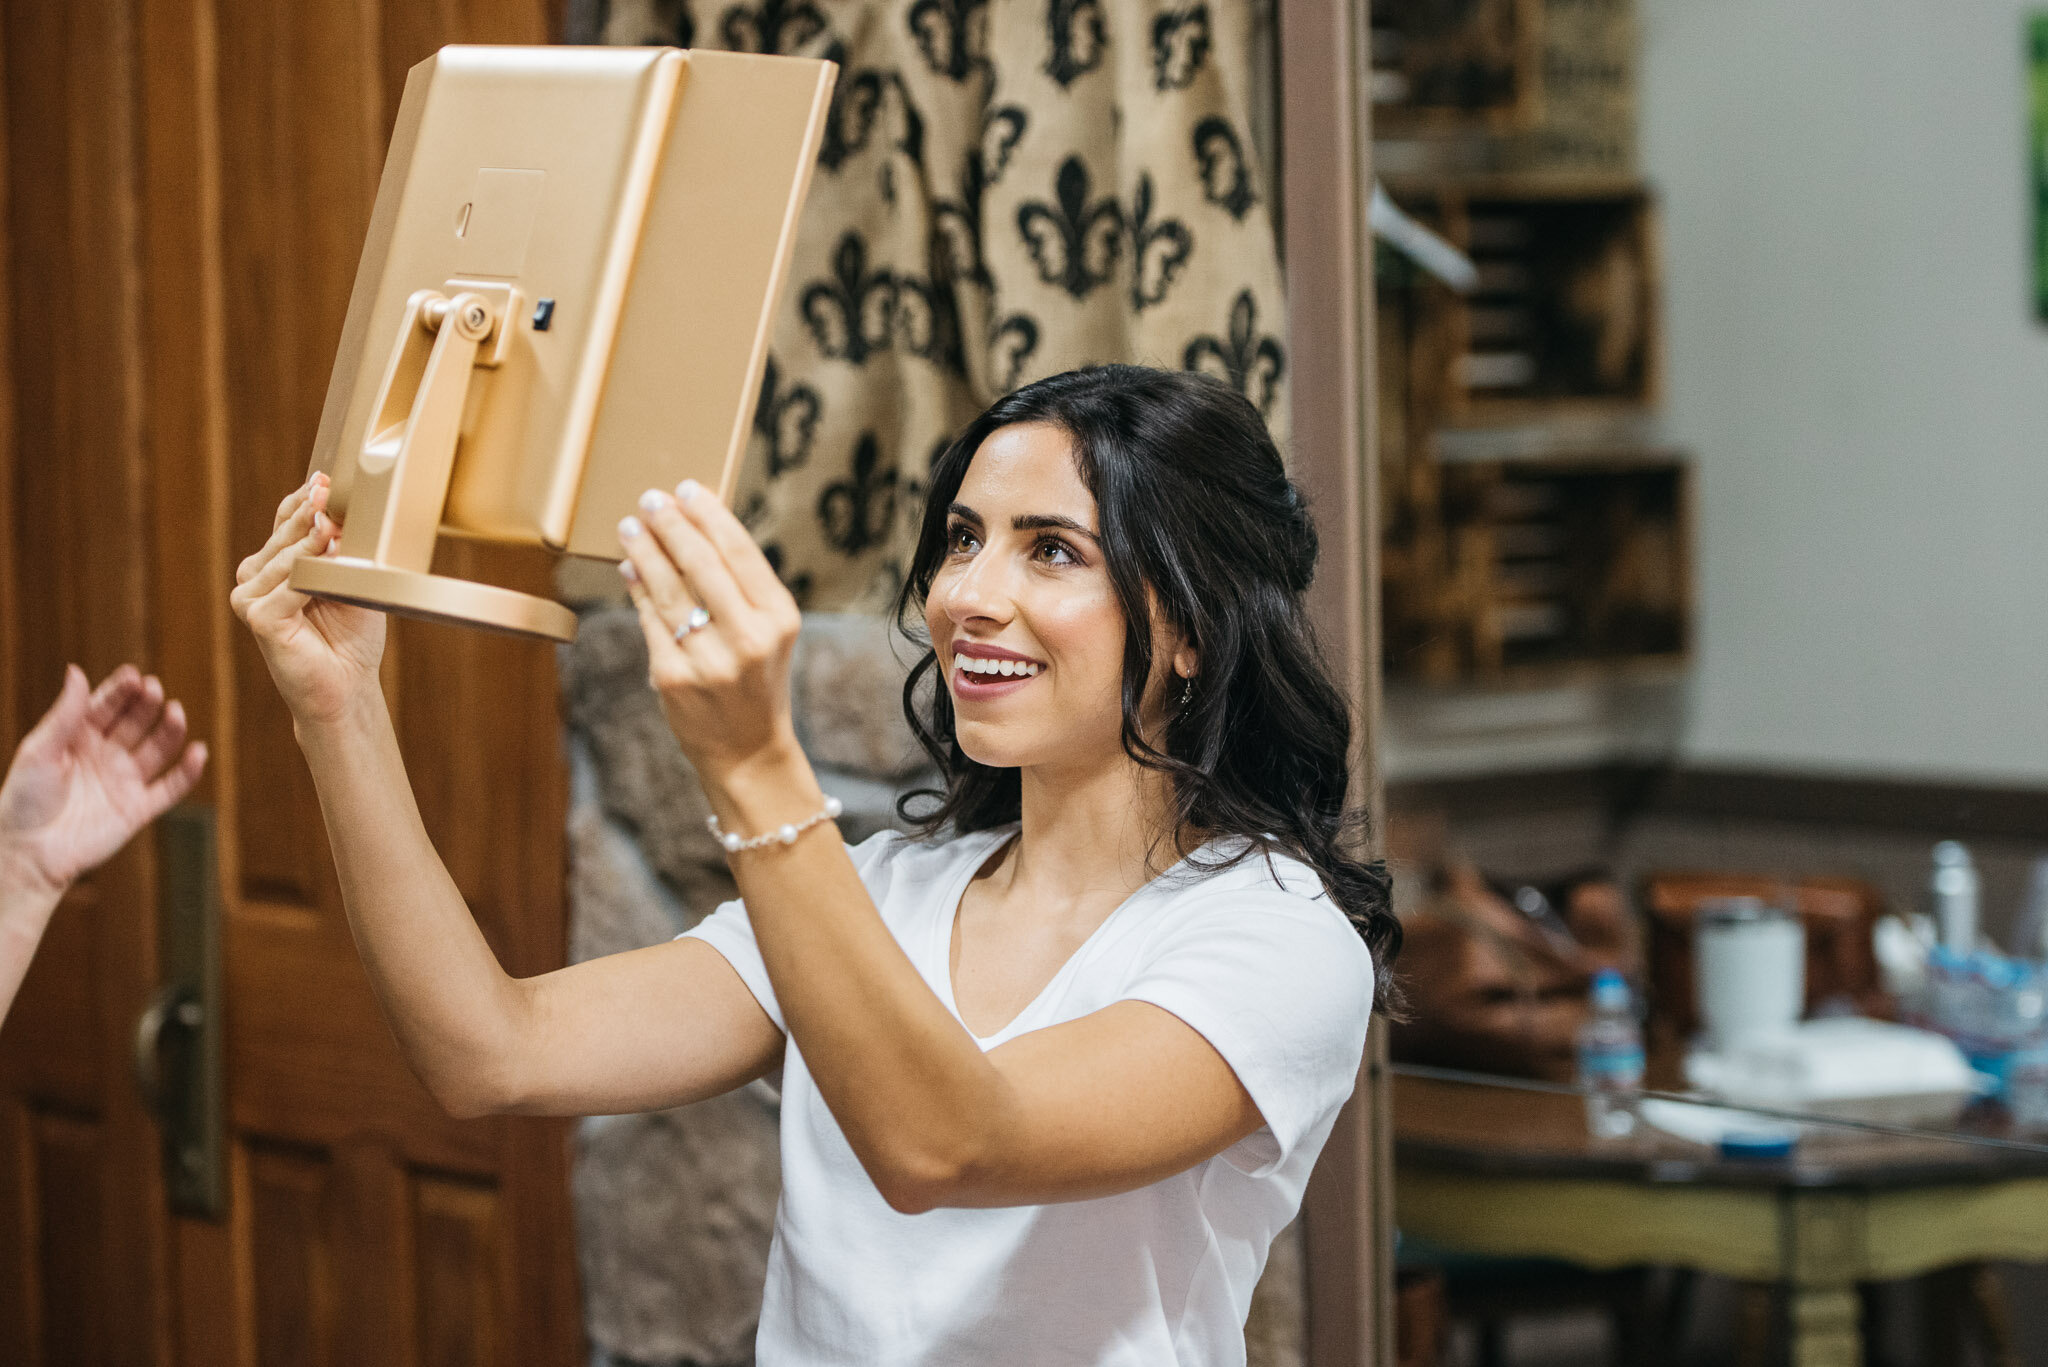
969	684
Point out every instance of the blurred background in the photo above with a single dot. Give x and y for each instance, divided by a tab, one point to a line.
1705	480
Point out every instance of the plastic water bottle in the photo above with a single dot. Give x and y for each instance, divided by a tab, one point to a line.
2026	1088
1611	1058
1954	894
2030	930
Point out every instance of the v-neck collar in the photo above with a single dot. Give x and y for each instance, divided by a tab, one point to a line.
941	946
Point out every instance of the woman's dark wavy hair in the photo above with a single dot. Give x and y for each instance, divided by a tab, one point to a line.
1192	502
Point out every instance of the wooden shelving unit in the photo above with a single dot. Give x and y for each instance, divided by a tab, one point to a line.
1528	530
1455	65
1523	570
1564	322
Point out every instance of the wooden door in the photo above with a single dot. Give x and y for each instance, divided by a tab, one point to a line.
183	189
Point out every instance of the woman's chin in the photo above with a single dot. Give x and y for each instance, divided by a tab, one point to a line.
991	745
1031	745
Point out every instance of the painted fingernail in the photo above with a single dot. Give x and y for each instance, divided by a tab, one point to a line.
687	490
629	527
320	523
628	573
651	501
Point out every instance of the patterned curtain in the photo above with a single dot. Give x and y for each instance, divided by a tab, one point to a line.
1005	191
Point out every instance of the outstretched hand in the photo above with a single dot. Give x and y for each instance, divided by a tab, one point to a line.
323	655
100	765
720	628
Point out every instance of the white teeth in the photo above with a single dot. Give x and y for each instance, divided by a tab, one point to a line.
974	664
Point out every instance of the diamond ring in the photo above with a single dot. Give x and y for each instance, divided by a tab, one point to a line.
696	621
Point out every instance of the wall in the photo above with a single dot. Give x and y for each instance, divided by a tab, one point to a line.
1852	356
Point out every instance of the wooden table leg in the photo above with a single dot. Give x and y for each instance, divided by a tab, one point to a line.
1824	1236
1826	1326
1994	1317
1756	1334
1963	1309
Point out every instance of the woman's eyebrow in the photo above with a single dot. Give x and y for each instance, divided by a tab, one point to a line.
1027	522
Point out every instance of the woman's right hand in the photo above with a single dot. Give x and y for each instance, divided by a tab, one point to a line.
322	654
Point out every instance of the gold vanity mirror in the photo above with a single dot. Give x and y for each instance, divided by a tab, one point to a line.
564	298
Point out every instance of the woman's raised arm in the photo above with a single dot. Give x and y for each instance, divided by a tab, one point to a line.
655	1027
1113	1101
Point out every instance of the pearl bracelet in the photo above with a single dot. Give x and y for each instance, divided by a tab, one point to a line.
784	834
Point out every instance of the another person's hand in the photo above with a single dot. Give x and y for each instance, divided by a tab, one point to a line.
723	674
323	655
98	767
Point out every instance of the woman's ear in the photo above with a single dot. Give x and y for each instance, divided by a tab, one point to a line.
1170	643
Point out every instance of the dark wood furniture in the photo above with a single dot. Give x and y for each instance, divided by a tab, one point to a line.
1563	323
1530	523
1512	1173
1507	570
1837	913
1468	65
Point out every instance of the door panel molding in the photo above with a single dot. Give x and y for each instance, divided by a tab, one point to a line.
183	188
88	1250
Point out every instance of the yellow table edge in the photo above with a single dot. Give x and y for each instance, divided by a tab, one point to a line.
1751	1233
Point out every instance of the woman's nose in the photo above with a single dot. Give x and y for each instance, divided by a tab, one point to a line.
977	591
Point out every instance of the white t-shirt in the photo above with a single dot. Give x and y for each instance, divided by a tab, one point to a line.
1266	968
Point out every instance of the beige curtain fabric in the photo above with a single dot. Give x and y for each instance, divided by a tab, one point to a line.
1006	190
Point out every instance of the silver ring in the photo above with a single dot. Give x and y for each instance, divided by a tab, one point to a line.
698	619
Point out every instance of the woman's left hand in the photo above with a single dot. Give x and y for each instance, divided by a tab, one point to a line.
720	629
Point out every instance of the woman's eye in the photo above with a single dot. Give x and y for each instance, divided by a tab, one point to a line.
1049	550
1054	551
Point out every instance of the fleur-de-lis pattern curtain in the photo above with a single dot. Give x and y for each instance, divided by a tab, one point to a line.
1005	191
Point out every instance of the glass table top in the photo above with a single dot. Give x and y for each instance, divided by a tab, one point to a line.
1449	1117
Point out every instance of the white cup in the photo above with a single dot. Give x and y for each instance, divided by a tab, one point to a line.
1749	969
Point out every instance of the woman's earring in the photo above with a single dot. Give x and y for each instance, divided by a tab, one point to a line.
1187	691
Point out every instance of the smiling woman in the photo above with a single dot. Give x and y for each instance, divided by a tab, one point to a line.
1132	894
1053	1075
1121	494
